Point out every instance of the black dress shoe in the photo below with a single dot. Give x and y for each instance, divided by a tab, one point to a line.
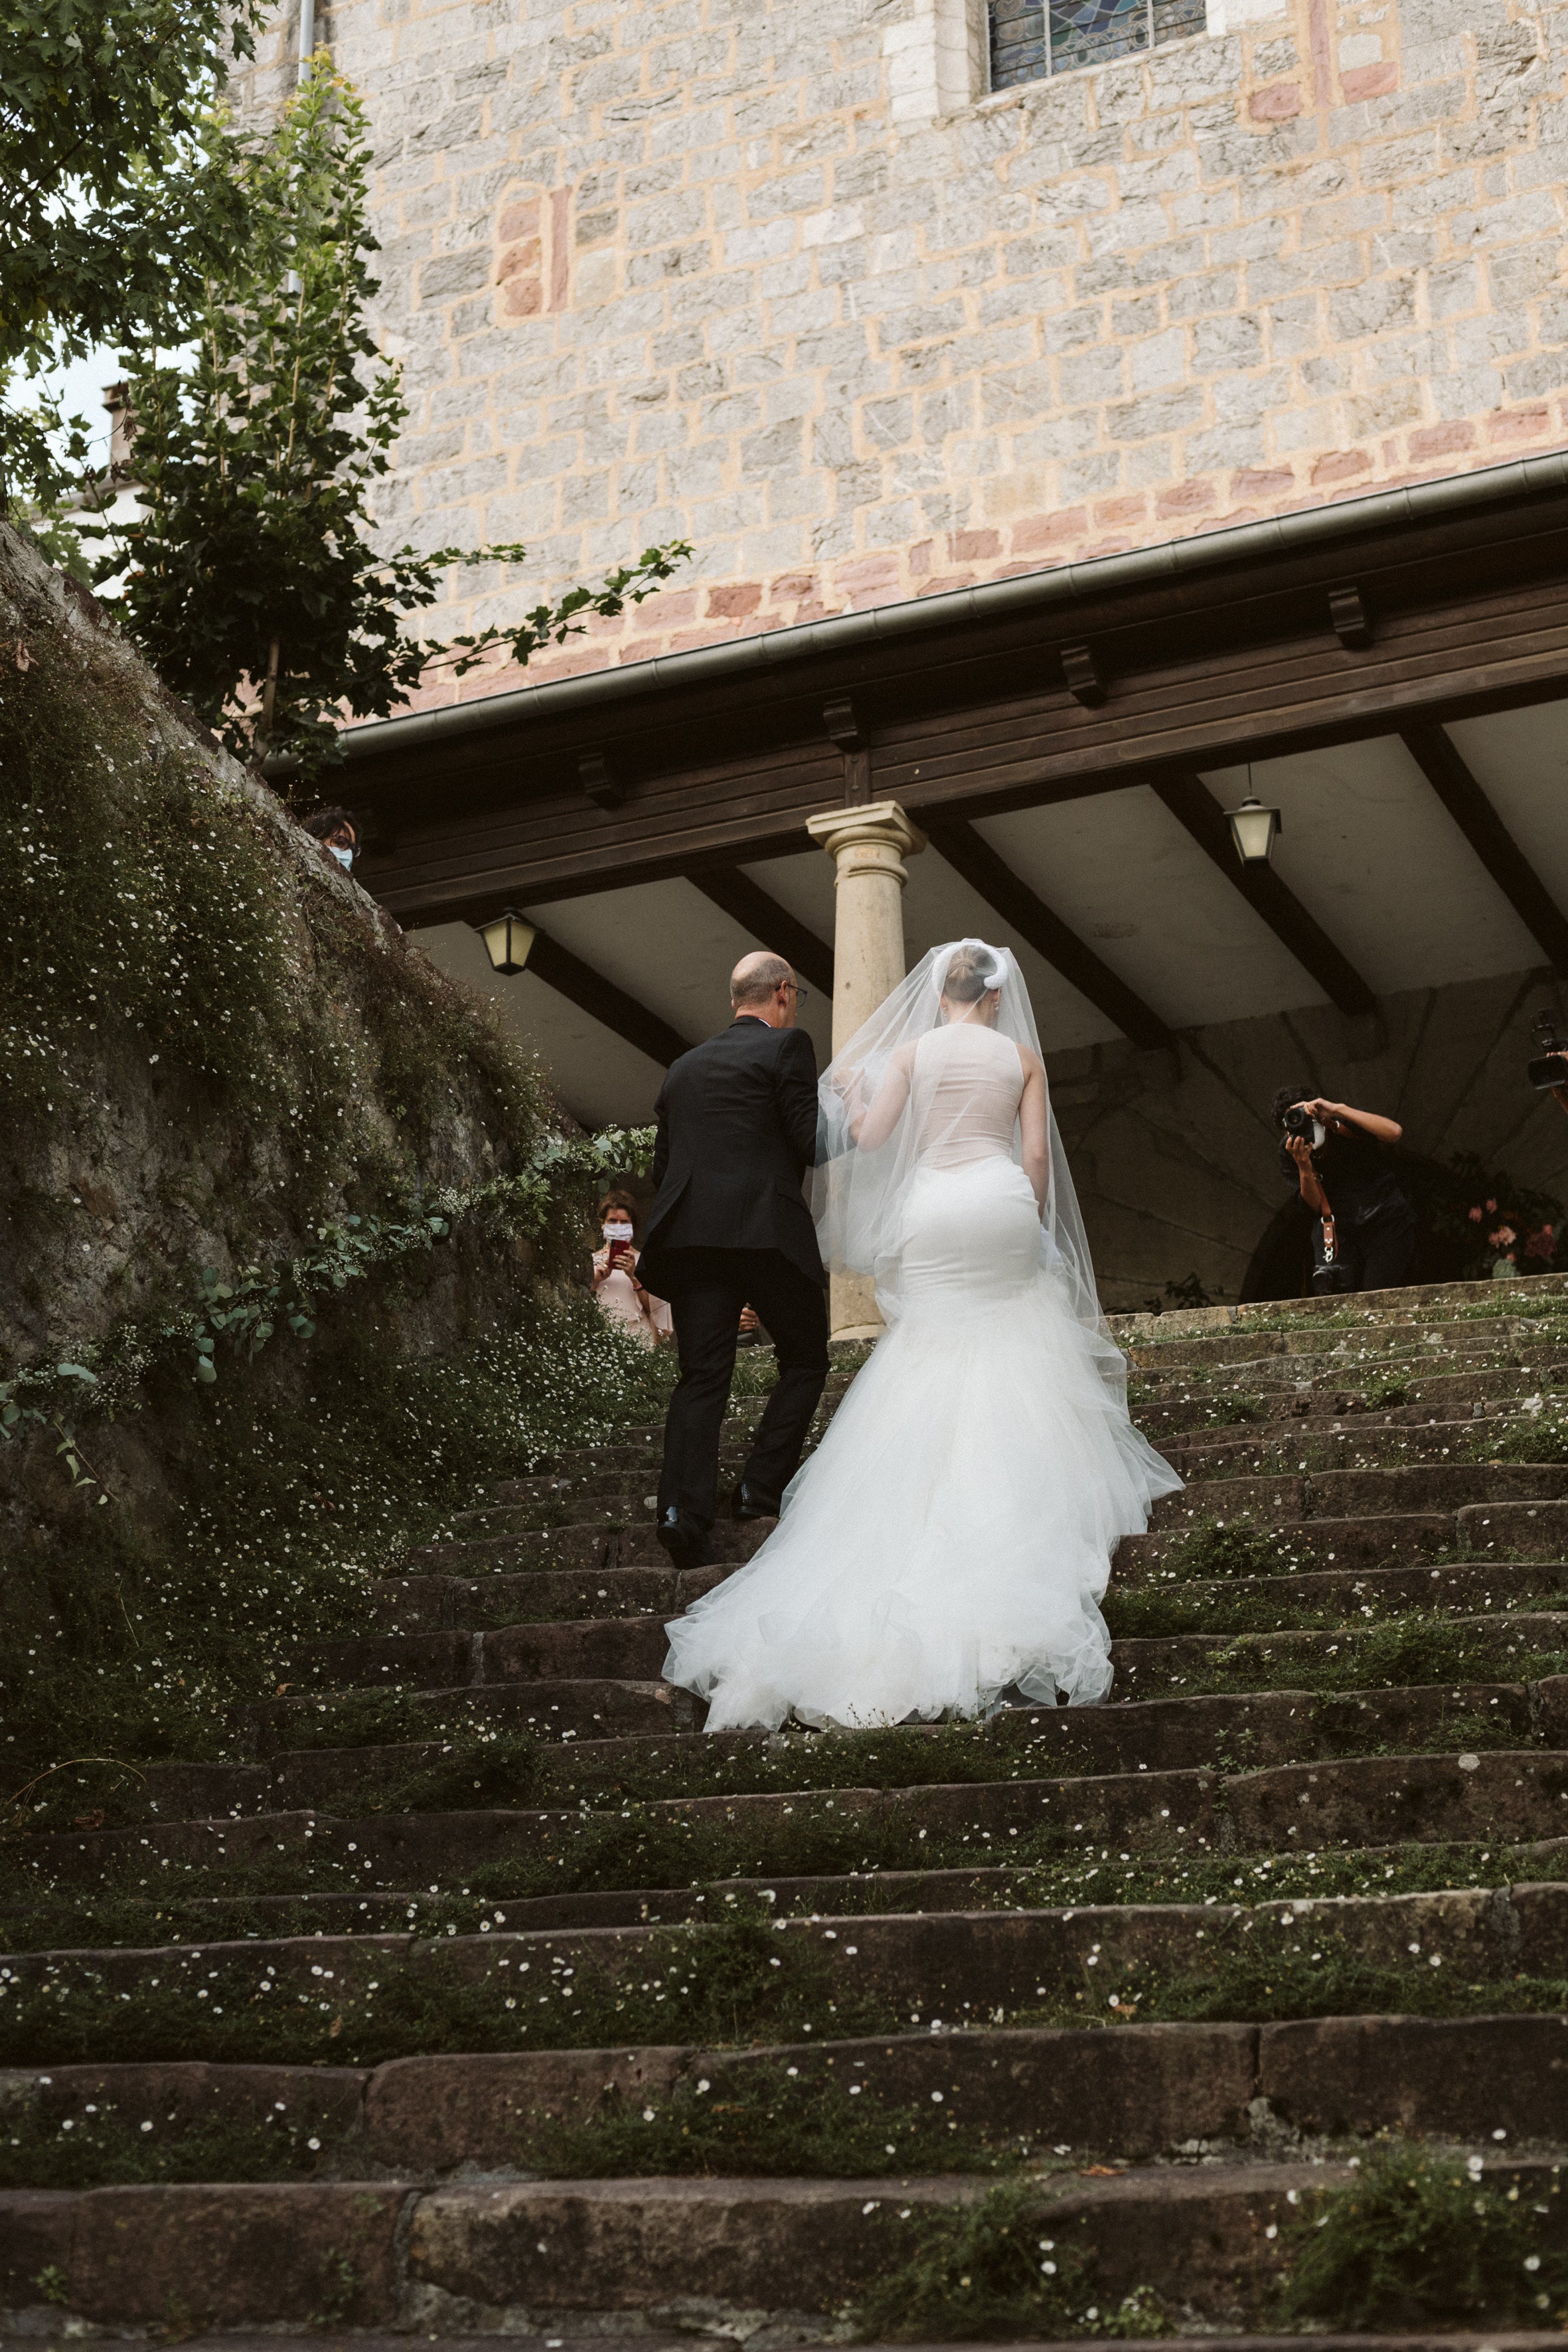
684	1539
748	1504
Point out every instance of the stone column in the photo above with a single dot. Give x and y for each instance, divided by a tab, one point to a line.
868	847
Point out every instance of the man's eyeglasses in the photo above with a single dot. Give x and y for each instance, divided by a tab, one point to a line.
800	993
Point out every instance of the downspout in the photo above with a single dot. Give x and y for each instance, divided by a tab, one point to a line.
307	38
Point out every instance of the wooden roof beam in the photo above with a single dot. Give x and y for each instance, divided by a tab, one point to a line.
972	855
603	1001
770	925
1443	766
1188	798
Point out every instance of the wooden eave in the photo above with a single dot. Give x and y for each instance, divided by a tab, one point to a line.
1231	646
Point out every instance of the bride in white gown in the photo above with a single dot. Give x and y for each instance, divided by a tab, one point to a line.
950	1539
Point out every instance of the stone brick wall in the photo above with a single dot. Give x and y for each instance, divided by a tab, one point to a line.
779	278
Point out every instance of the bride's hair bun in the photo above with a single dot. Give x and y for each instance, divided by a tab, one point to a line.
972	970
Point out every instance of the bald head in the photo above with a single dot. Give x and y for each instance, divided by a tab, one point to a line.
756	977
754	986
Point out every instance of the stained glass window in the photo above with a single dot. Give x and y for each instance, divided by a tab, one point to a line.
1033	38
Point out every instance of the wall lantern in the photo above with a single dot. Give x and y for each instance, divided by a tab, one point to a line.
1255	830
508	940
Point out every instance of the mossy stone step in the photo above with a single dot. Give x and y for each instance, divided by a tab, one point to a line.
1350	1343
572	1709
1161	1734
1365	1494
1132	2093
1349	1443
1353	1801
584	2254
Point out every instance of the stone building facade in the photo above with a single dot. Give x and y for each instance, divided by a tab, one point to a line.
796	284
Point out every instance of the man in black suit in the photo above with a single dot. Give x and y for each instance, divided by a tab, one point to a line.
730	1228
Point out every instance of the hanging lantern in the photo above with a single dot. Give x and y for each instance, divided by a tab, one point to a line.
507	941
1255	830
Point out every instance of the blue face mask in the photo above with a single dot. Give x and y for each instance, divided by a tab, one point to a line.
345	857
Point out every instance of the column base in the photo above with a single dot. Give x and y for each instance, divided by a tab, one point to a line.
854	1333
852	1311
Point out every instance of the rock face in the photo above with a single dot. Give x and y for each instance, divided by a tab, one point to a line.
214	1045
1191	1955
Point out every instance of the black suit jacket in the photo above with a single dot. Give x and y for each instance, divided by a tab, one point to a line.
737	1130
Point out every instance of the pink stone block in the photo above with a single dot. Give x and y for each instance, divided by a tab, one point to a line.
1277	103
1442	440
1339	466
1047	533
735	602
1511	426
965	546
1186	498
1255	482
1369	81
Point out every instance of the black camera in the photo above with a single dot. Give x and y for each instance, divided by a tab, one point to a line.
1549	1066
1299	1120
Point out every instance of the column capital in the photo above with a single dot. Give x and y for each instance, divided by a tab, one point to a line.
879	825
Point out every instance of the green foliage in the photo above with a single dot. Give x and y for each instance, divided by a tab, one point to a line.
761	2121
284	1515
741	1980
992	2269
140	891
249	579
114	202
1423	2238
1539	1432
101	2146
1225	1547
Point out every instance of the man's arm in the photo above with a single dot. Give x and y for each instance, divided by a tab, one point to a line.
661	1141
795	1085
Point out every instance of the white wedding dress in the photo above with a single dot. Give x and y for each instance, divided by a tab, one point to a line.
952	1534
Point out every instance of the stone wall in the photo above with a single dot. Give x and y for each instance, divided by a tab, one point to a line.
1177	1167
781	279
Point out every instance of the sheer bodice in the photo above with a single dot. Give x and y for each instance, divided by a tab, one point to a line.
965	1085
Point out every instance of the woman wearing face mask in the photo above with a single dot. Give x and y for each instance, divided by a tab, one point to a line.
338	835
615	1286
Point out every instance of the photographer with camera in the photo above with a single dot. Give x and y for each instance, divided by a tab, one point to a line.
1364	1233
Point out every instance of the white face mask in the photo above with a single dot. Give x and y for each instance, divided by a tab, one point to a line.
616	1230
345	857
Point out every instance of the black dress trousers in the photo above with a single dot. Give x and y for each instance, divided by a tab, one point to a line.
707	1289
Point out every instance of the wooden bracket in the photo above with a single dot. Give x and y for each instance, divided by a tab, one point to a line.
1082	672
844	728
1353	622
598	780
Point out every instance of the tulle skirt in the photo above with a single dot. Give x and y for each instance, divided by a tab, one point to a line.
952	1534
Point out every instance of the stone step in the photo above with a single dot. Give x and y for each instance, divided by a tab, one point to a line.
418	1604
1356	1444
1363	1801
1351	1340
1425	1393
1365	1494
1530	1295
578	1709
947	1964
1151	1662
633	1650
584	2255
1506	1531
1131	2093
1165	1734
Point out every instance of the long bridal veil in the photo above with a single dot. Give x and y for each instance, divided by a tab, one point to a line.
950	1539
859	1197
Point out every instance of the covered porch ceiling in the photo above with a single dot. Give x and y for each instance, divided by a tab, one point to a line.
1409	721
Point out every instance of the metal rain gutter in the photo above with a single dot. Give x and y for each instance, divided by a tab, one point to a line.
598	695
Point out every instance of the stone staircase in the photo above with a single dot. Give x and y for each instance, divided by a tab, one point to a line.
488	1995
